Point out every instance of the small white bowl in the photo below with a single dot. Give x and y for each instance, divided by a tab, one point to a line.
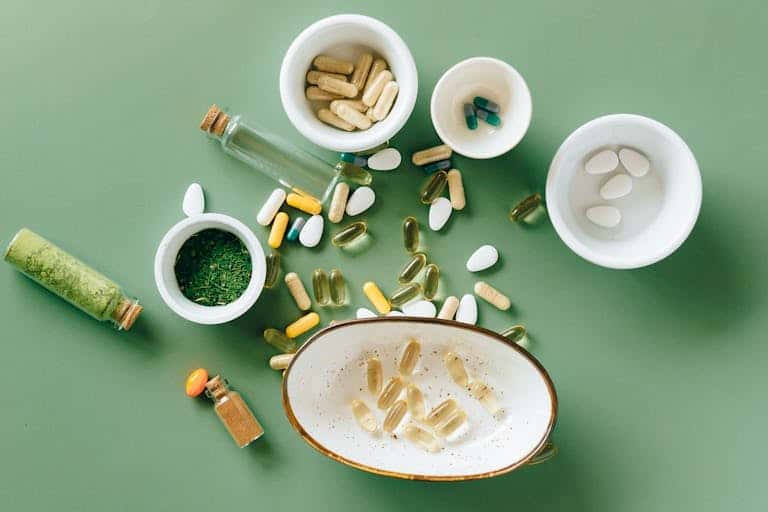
492	79
657	216
346	36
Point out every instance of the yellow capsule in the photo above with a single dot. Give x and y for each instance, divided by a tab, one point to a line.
279	340
302	325
280	361
273	269
333	65
441	411
379	301
451	424
338	287
374	375
277	232
409	357
455	367
349	234
415	400
405	294
516	334
524	208
338	203
491	295
433	154
364	416
395	415
321	287
298	292
411	234
484	395
422	438
450	305
433	187
390	393
304	203
456	190
431	281
412	268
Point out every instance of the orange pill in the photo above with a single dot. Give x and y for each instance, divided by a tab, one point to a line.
196	382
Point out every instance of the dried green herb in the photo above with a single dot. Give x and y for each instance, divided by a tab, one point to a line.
213	267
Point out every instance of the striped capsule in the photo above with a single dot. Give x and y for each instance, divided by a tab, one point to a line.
433	154
306	204
374	375
279	340
405	294
484	395
395	415
486	104
441	412
354	159
410	234
377	298
277	232
412	268
302	325
421	438
338	287
525	208
488	117
273	269
349	234
456	190
455	366
493	296
433	187
470	117
450	305
321	287
431	281
390	393
516	334
451	424
364	416
298	292
437	166
409	357
315	93
280	361
354	173
415	400
293	233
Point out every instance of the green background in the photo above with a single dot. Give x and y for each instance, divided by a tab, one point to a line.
660	371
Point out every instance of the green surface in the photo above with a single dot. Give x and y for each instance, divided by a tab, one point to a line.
660	371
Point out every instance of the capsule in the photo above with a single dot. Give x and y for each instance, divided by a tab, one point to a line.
455	366
338	203
456	190
516	334
422	438
410	234
354	173
437	166
280	361
524	208
355	104
273	269
328	117
409	357
278	230
293	233
390	393
338	287
332	65
374	88
431	281
484	395
364	416
488	117
362	68
412	268
374	375
405	294
314	93
395	415
433	154
486	104
493	296
470	117
298	292
415	400
336	86
383	105
306	204
451	424
450	305
349	234
378	66
279	340
441	412
354	159
313	76
377	298
433	187
321	287
350	115
302	325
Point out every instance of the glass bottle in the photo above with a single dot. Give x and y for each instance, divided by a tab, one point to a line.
291	166
71	279
233	412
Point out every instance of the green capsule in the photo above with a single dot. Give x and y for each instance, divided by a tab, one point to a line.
488	117
279	340
273	269
411	234
349	234
338	288
405	293
321	287
433	187
412	268
431	281
516	334
354	173
525	207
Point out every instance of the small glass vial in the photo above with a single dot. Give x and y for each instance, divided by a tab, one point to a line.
233	412
291	166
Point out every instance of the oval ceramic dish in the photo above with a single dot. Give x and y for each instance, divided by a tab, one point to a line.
328	372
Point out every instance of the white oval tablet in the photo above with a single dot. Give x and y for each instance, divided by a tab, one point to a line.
604	216
312	231
616	187
365	313
439	213
360	200
385	160
422	308
270	207
634	162
467	312
484	257
602	162
194	200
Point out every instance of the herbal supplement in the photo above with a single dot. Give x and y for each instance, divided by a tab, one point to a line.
484	395
313	76
194	200
470	117
492	295
455	366
233	412
439	213
277	232
355	104
516	334
433	154
486	104
273	269
433	187
304	203
412	268
280	361
336	86
385	160
360	200
76	282
410	234
456	190
321	286
450	305
634	162
314	93
374	375
378	66
349	234
279	340
525	207
362	67
295	230
332	119
431	281
350	115
483	258
386	99
441	412
395	415
604	216
331	65
467	311
270	207
302	325
415	400
422	438
405	293
409	357
377	298
488	117
338	287
354	159
364	313
421	308
338	203
602	162
195	384
616	187
437	166
312	231
298	292
354	173
373	90
451	424
390	393
364	416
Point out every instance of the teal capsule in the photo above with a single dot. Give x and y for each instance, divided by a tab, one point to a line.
433	187
489	117
354	159
354	173
437	166
412	268
273	269
405	293
338	287
470	117
411	234
321	287
293	233
486	104
431	281
349	234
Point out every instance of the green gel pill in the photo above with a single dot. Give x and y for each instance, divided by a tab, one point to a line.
349	234
431	281
489	117
486	104
437	166
321	287
470	116
279	340
433	187
410	234
412	268
338	288
273	269
405	294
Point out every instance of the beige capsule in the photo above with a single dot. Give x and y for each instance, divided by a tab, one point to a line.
484	394
355	104
298	292
362	67
338	203
441	412
450	305
336	86
364	416
433	154
422	438
386	100
451	424
373	89
492	295
395	415
456	190
314	93
409	357
390	393
332	119
280	361
378	66
352	116
455	366
415	399
313	76
374	375
331	65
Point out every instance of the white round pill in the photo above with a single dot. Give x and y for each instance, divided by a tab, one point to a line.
360	200
634	162
467	312
365	313
422	308
194	200
616	187
385	160
602	162
312	231
484	257
604	216
270	207
439	213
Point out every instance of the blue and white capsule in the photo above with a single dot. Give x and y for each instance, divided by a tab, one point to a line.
354	159
469	116
437	166
489	117
293	233
486	104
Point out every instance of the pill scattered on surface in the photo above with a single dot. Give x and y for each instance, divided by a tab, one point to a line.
602	162
437	166
270	207
277	232
636	163
313	76
604	216
353	159
306	204
338	203
364	416
195	383
332	119
411	234
362	68
321	287
332	65
439	213
374	375
486	104
349	234
405	293
312	231
354	173
415	400
360	200
516	334
302	325
470	117
338	287
390	393
450	304
378	66
433	187
421	438
455	366
377	298
385	160
433	154
279	340
616	187
456	190
441	411
365	313
194	200
467	310
484	395
352	116
295	230
493	296
488	117
297	290
451	424
273	269
386	99
280	361
412	268
314	93
431	281
375	87
483	258
420	308
525	208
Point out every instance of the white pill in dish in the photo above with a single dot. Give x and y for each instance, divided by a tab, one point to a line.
602	162
270	207
634	162
194	200
484	257
604	216
360	200
616	187
312	231
385	160
439	213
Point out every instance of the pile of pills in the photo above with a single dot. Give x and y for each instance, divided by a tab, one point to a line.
481	108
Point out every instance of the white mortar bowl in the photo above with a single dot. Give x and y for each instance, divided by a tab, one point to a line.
345	36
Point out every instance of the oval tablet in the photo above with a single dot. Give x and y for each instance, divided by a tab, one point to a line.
634	162
385	160
312	231
194	200
603	162
604	216
360	200
484	257
270	207
616	187
421	308
467	311
439	213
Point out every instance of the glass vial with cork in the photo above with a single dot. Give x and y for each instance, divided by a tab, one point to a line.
233	412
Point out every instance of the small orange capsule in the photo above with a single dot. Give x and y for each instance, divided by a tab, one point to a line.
196	382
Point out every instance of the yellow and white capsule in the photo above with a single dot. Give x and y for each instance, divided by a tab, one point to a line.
390	393
450	305
374	375
409	357
352	116
378	66
364	416
455	366
313	76
395	415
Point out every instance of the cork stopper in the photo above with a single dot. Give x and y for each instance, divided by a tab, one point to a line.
215	121
216	387
126	312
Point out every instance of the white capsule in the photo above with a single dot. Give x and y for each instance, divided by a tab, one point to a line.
616	187
360	200
270	207
385	160
439	213
604	216
484	257
422	308
450	305
467	311
312	231
603	162
634	162
194	200
365	313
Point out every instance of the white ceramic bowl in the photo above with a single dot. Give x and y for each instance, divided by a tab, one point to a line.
165	276
328	372
495	80
657	216
346	36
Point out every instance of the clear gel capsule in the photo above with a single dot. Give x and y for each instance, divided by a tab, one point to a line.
410	234
433	187
390	393
395	415
412	268
441	412
525	207
321	287
279	340
455	366
409	357
484	395
486	104
415	400
431	281
422	438
405	294
364	416
273	269
354	159
470	117
293	233
451	424
349	234
374	375
437	166
516	334
354	173
338	287
488	117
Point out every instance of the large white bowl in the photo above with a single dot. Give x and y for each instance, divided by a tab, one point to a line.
345	36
